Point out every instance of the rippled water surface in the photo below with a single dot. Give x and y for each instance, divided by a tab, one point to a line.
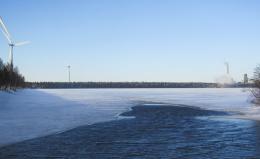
157	131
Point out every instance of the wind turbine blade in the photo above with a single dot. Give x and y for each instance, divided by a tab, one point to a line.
22	43
5	31
7	37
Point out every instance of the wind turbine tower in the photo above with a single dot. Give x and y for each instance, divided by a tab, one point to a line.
69	72
11	43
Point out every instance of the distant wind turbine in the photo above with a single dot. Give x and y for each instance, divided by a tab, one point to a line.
11	43
69	72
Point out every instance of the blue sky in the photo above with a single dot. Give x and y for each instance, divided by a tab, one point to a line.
133	40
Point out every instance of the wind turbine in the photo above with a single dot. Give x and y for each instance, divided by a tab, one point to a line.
11	43
69	72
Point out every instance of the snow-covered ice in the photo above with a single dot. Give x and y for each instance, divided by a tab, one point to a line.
30	113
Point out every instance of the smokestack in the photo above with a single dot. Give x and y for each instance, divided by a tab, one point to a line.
227	67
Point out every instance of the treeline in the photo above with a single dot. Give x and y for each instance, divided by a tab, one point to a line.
123	85
10	79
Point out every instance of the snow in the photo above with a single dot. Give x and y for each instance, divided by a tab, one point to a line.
28	114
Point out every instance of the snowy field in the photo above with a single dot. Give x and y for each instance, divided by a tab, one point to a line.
28	114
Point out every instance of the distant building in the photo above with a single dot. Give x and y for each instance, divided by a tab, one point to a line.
245	79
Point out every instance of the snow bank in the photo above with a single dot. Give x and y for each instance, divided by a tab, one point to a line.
28	113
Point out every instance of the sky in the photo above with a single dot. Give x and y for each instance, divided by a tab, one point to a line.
133	40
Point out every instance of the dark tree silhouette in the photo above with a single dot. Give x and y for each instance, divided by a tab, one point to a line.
10	79
256	80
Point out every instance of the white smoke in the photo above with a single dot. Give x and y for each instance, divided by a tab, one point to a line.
225	79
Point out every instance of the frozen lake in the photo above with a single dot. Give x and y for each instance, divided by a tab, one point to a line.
28	113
